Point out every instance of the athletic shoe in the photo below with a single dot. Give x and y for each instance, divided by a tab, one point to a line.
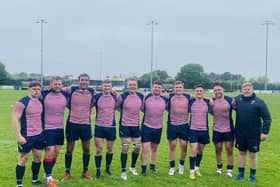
229	175
19	185
252	179
98	174
66	177
192	175
86	175
154	171
181	169
123	176
171	171
36	182
144	174
219	172
197	173
239	177
133	171
107	171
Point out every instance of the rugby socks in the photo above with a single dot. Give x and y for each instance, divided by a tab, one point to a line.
109	157
152	167
172	163
182	162
68	162
241	171
143	168
19	174
48	165
134	157
198	160
229	168
219	166
86	157
192	162
35	167
123	161
98	159
252	172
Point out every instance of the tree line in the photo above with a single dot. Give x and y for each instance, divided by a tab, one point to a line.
190	74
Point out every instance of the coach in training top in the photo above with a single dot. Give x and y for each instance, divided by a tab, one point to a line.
252	126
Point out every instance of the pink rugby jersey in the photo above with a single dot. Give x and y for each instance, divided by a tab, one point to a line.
54	106
105	110
80	105
199	114
222	115
30	112
154	107
130	108
178	109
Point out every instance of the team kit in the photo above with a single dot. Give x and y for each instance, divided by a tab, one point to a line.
38	121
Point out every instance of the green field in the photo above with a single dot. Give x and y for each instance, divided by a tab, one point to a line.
267	173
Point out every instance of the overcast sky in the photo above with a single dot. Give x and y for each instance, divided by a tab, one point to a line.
221	35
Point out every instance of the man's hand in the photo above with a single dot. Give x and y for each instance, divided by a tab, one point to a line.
21	140
263	136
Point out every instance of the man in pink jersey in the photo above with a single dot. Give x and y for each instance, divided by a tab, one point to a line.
105	126
177	125
130	104
223	132
154	107
54	101
199	135
27	123
78	124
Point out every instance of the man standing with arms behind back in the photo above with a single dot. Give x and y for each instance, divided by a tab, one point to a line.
78	124
252	126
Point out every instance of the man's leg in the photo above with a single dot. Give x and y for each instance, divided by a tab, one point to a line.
172	149
86	158
199	155
253	164
135	154
154	148
50	157
183	146
218	150
36	163
68	158
194	148
98	155
241	165
229	150
109	156
144	154
20	167
125	146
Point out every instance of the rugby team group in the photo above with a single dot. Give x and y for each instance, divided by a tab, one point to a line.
38	121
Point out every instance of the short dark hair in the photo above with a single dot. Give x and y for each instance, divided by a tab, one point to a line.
198	86
34	84
218	84
83	75
158	83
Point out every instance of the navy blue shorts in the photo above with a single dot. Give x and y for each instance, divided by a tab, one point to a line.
129	131
251	144
201	137
54	137
150	134
33	142
108	133
220	137
178	131
78	131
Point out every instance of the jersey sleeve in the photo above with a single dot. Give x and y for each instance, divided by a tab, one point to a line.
18	109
